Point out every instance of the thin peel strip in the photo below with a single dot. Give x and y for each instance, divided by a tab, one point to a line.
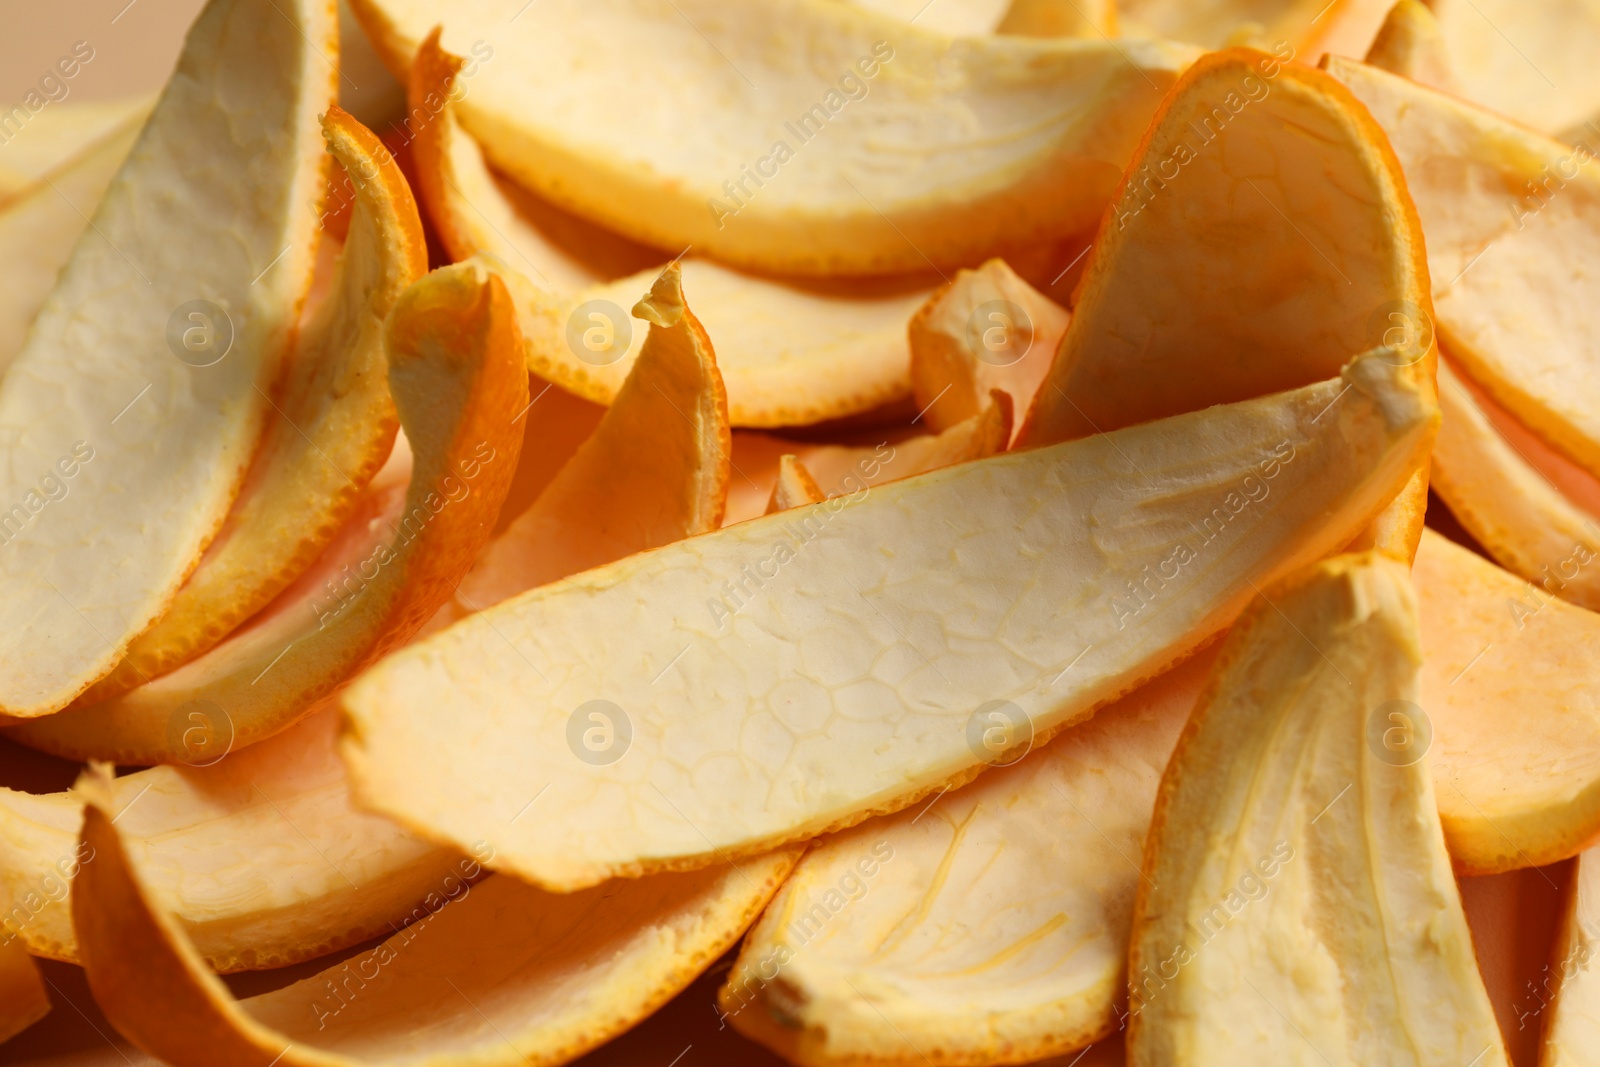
1060	119
506	951
1027	563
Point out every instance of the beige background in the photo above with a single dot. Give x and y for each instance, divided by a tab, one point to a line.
135	44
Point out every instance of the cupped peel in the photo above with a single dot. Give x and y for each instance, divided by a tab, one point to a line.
506	975
457	378
653	472
334	424
213	207
892	186
788	676
1298	903
789	354
989	927
985	329
1509	685
51	139
1411	44
1262	235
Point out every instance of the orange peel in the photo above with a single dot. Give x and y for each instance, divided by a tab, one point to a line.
335	426
752	690
790	354
456	375
654	471
1060	117
160	367
1296	887
534	978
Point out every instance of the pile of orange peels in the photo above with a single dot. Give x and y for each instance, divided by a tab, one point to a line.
1029	531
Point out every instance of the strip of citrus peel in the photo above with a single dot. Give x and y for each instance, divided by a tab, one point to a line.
335	424
201	254
845	469
1533	63
456	375
506	975
789	676
1281	167
989	927
51	139
1572	1027
23	1000
1511	238
42	223
653	472
794	488
1535	511
1060	118
261	857
789	355
1508	683
984	329
1297	891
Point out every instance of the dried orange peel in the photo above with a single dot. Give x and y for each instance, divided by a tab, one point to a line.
1296	888
1060	118
653	472
456	375
23	1000
1330	455
160	366
533	978
913	936
789	354
334	424
259	855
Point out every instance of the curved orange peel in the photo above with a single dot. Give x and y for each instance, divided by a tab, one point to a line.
505	975
989	927
456	375
734	697
1572	1028
1297	894
1059	119
1510	222
1411	44
1508	681
654	471
984	329
122	365
789	355
335	425
261	856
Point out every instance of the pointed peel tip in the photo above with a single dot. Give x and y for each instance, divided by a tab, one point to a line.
663	304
